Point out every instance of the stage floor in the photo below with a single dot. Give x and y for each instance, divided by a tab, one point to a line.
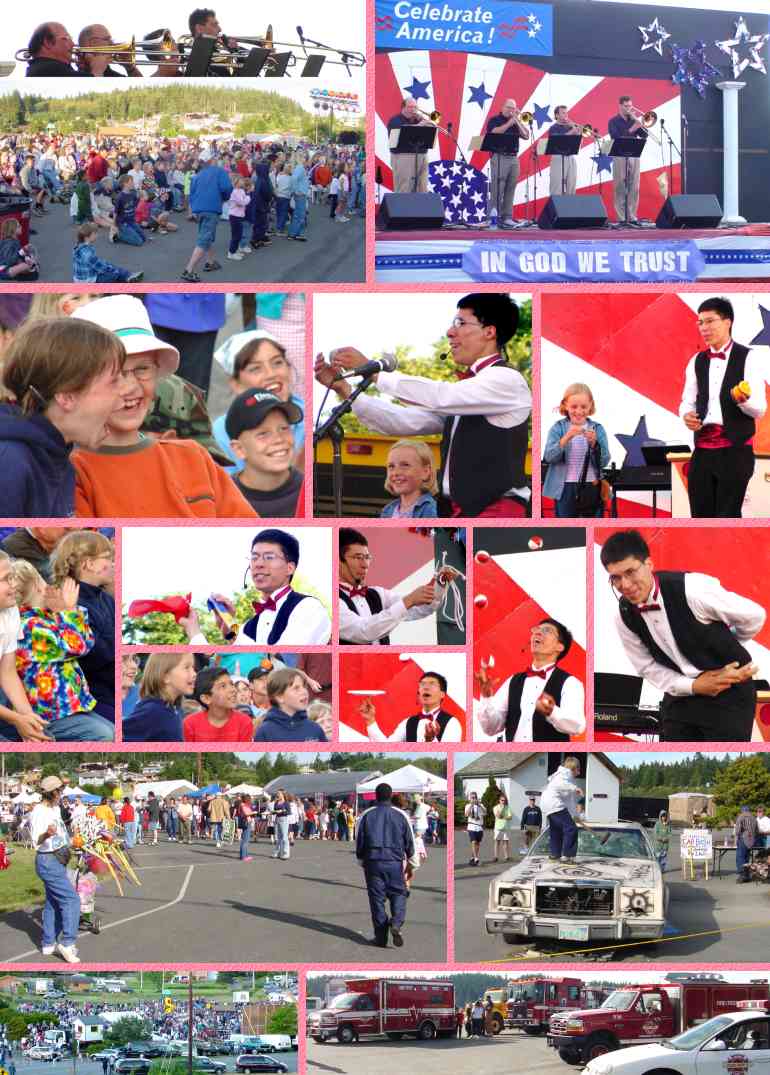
436	256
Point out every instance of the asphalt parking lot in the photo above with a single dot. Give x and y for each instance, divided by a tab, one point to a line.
334	253
94	1067
510	1051
713	921
200	904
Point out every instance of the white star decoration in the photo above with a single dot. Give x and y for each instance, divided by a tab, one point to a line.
653	36
753	43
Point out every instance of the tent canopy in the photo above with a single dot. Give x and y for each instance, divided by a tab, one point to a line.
162	788
409	778
245	789
26	797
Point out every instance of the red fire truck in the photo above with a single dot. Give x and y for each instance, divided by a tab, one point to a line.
646	1013
389	1006
531	1001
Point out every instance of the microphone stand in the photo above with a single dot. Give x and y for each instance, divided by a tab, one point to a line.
345	57
683	154
671	147
332	429
448	132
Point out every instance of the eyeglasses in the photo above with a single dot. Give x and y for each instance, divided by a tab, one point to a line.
459	322
268	558
362	557
631	573
141	373
544	628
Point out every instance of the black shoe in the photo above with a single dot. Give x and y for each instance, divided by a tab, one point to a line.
395	933
380	939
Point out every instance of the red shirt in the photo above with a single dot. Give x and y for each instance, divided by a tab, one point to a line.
199	729
96	169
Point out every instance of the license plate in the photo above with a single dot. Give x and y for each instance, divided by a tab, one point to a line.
572	933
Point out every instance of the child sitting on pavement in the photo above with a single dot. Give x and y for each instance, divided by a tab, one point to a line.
89	268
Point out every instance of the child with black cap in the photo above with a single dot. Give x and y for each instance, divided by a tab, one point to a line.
259	426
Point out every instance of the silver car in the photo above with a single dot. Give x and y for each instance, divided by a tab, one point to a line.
614	890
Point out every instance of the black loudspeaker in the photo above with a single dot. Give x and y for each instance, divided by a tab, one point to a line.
411	211
690	211
573	211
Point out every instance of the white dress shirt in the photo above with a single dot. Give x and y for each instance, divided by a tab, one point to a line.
308	625
568	718
368	627
453	732
756	372
41	817
498	393
708	601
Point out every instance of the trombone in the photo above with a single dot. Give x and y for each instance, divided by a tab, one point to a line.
434	117
155	51
245	44
647	120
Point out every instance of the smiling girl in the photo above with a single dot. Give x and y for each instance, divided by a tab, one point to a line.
411	477
570	440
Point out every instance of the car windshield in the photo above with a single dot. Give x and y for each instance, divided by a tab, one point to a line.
697	1035
528	991
620	1000
604	842
345	1000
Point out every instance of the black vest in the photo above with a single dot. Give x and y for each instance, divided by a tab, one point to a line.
705	645
374	601
291	602
542	731
738	427
485	462
413	723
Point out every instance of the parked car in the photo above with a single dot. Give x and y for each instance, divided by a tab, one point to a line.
259	1062
105	1054
205	1063
44	1052
149	1049
613	891
131	1065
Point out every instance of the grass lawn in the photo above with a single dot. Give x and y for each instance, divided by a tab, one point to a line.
19	885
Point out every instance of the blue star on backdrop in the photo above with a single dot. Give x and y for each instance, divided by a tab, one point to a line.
541	115
417	89
763	337
462	188
479	96
692	67
633	443
603	162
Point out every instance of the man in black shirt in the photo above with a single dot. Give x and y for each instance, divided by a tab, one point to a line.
51	50
531	821
504	173
563	177
626	170
410	170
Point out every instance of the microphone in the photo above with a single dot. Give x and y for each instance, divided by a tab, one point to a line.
378	365
301	36
443	356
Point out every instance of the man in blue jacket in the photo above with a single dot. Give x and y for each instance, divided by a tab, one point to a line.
209	190
384	839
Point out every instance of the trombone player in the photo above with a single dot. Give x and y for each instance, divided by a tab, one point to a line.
627	123
504	171
97	64
563	176
50	52
410	170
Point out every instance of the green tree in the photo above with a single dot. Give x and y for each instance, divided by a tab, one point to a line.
745	781
129	1029
489	800
283	1020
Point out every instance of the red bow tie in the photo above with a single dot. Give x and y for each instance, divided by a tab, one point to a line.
464	375
648	608
539	672
717	354
268	605
358	591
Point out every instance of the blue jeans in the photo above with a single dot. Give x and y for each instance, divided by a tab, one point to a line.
77	728
131	233
742	856
662	857
246	237
385	881
281	213
297	225
282	836
217	827
562	834
61	913
243	850
172	825
130	831
236	233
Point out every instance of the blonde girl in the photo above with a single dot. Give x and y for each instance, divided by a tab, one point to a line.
571	439
411	477
157	717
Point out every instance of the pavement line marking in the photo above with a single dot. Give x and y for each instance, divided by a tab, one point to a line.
628	944
121	921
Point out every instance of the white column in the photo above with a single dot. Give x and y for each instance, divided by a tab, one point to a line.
731	197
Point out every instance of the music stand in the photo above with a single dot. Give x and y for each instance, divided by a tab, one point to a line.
563	145
626	148
505	144
254	62
415	138
277	64
313	65
199	60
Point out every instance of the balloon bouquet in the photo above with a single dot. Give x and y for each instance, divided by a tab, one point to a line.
96	852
